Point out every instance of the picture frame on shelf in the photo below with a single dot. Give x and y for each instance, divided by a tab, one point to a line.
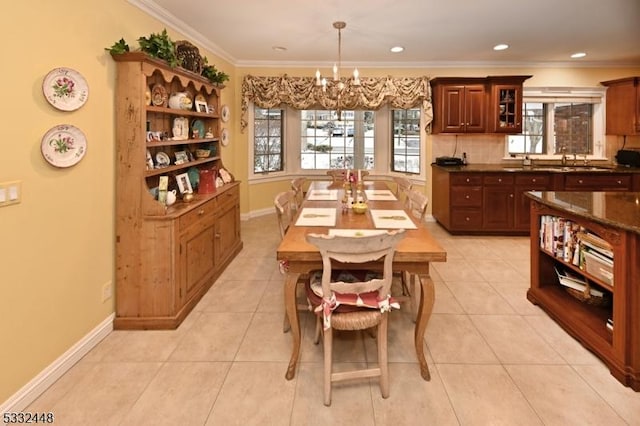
181	157
202	107
184	183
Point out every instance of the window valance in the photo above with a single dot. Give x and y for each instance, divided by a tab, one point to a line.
302	93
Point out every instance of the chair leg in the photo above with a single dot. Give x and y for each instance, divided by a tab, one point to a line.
382	356
328	364
286	325
316	339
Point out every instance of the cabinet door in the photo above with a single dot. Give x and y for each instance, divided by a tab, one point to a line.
452	109
475	99
506	108
498	204
197	257
623	106
227	231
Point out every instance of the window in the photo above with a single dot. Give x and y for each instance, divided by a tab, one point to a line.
406	140
331	143
560	121
268	140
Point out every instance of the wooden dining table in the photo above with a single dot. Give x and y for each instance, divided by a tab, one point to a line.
413	254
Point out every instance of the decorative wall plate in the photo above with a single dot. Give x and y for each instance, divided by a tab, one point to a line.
224	137
224	113
65	89
63	145
162	160
159	95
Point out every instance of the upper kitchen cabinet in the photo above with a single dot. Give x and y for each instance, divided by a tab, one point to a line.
459	105
623	106
478	105
505	104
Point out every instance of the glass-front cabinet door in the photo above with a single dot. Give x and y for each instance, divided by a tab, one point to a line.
505	104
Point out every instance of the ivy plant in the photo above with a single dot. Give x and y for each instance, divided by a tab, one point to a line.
159	46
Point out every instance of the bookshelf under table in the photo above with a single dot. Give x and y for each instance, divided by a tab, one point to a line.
614	217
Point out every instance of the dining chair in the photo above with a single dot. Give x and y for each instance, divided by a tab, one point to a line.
285	205
403	186
416	202
353	299
297	185
338	175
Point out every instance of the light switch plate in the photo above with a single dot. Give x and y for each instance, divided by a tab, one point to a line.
10	193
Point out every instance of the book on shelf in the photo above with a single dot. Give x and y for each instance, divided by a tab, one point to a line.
575	282
610	324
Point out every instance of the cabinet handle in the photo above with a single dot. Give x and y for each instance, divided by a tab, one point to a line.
533	180
467	219
217	235
510	195
499	179
619	182
468	180
580	181
467	197
201	212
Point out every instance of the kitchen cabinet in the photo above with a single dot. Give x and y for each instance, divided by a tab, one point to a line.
498	202
477	105
459	105
505	104
618	346
597	182
623	106
525	182
168	256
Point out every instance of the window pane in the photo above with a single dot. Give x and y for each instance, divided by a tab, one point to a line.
267	143
572	128
532	139
329	143
406	140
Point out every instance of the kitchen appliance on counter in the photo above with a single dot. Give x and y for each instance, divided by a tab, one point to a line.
449	161
628	157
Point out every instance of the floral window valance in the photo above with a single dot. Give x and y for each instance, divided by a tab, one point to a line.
303	93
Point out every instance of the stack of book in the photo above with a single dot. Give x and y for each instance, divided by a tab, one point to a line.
597	256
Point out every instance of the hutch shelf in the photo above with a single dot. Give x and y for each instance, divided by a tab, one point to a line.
168	256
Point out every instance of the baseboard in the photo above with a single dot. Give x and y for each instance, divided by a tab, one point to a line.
36	387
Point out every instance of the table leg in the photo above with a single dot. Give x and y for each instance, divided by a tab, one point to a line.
290	305
427	297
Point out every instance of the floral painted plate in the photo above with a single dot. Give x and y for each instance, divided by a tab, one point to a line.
64	145
65	89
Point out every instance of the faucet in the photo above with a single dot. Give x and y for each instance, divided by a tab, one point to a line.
575	158
586	160
564	159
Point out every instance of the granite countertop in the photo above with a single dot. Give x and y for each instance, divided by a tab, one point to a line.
518	168
618	209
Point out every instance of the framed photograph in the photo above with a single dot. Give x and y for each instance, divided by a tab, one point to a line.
181	157
202	107
184	184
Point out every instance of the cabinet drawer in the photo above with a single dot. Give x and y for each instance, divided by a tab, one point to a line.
197	214
466	196
466	179
498	180
466	219
535	180
589	182
229	197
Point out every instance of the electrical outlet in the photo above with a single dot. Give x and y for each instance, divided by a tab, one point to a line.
107	291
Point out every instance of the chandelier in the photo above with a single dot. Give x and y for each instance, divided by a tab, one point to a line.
335	89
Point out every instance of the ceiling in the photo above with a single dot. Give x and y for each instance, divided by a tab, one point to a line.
435	33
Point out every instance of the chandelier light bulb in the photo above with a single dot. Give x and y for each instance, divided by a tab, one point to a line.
335	72
356	77
318	82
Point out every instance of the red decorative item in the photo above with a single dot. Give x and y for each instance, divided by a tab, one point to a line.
207	181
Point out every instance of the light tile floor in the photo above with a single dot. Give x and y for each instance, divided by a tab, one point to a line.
494	357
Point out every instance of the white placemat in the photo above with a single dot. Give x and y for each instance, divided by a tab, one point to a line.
392	219
311	216
323	194
379	195
356	232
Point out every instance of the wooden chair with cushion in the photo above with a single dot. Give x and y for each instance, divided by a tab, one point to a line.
353	299
403	186
285	204
416	202
338	175
297	185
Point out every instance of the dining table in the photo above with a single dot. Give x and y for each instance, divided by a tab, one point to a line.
325	209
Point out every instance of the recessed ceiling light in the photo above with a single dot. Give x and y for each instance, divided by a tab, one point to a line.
501	46
397	49
279	49
578	55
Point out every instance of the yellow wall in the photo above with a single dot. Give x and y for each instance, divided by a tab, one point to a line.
57	246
